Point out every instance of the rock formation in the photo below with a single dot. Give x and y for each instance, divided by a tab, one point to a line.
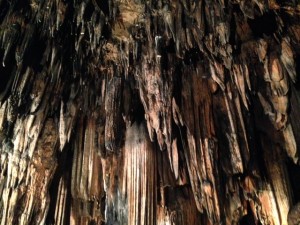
149	112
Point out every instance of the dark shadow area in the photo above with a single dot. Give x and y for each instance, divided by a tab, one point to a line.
192	56
103	5
294	174
63	171
297	62
6	77
106	32
290	3
4	6
264	25
248	219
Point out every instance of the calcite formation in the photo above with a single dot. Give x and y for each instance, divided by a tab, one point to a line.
144	112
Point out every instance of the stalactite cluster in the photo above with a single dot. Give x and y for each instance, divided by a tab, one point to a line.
145	112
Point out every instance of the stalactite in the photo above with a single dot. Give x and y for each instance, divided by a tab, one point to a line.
149	112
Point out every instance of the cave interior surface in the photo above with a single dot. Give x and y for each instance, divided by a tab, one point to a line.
149	112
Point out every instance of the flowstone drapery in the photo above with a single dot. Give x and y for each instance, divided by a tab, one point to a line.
146	112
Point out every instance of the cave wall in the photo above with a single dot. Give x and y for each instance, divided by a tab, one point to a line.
149	112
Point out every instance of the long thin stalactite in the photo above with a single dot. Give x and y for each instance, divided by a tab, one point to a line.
149	112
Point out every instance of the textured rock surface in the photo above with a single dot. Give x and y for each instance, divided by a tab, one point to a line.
149	112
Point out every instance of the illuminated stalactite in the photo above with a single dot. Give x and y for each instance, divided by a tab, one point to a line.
149	112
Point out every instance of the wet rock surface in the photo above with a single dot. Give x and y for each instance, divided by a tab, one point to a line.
149	112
